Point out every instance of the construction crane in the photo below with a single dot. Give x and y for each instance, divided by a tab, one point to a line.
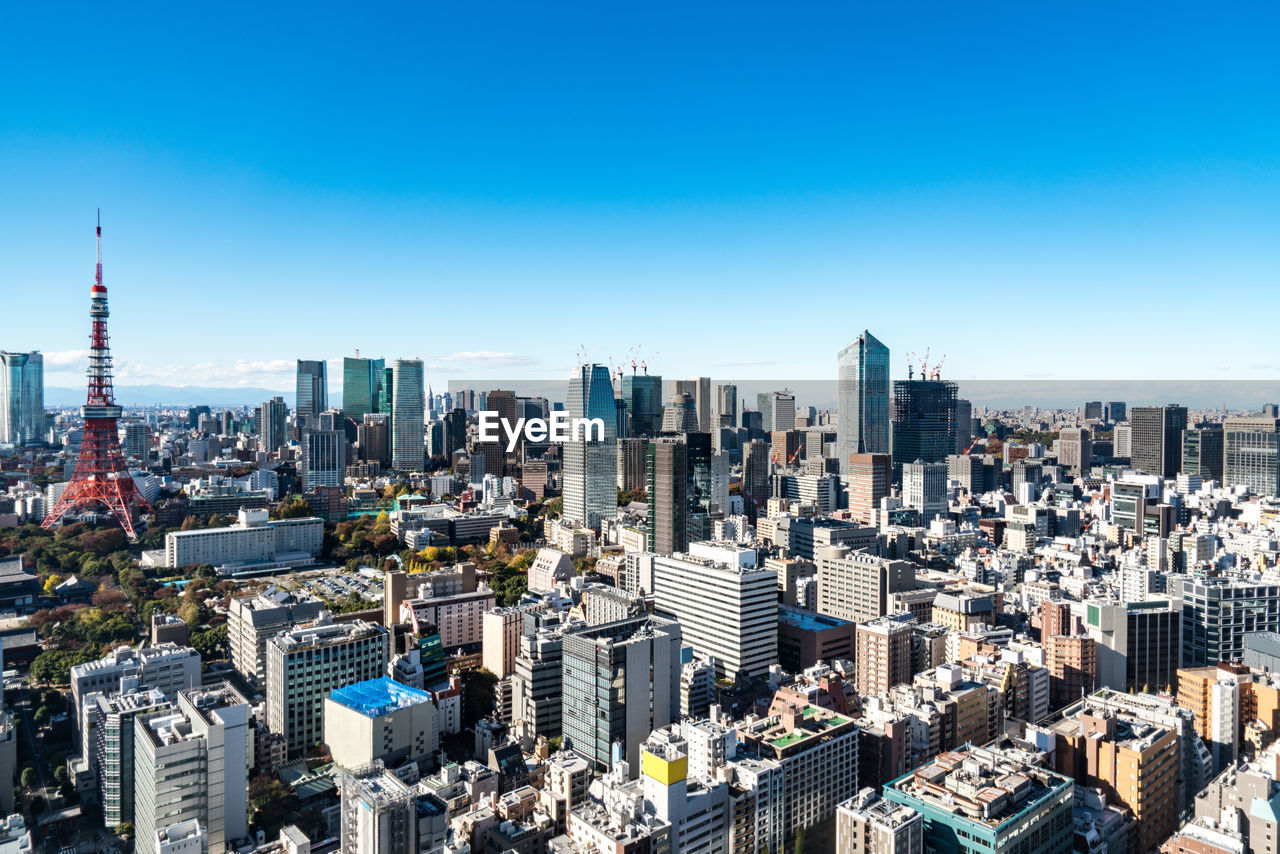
937	369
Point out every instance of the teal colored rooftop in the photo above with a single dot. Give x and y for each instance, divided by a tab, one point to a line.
378	697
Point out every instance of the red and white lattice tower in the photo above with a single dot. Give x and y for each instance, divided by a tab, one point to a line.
101	477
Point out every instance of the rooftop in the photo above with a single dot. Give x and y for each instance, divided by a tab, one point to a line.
982	786
378	697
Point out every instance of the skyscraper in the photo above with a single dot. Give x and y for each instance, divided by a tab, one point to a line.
869	479
702	401
21	398
726	406
1202	451
668	488
324	458
924	415
643	395
271	425
312	389
755	474
1093	410
591	464
1156	438
621	681
361	386
862	399
407	415
1251	455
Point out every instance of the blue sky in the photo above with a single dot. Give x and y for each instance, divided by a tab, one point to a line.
1064	190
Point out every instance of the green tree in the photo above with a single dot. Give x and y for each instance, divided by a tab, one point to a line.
125	830
210	642
28	779
53	667
41	716
60	774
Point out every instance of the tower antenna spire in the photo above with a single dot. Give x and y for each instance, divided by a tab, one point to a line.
101	477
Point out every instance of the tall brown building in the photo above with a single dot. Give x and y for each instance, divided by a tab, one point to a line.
882	654
1073	668
632	462
869	478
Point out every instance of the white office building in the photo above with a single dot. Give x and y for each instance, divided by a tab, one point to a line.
254	542
192	765
726	611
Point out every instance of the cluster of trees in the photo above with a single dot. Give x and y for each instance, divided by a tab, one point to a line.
626	496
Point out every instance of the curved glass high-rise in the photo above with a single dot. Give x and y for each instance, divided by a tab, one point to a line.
21	398
407	405
862	399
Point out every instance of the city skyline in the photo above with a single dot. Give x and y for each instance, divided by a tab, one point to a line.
981	168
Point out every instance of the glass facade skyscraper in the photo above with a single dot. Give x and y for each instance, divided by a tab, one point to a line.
924	422
21	398
643	395
312	389
591	466
408	404
862	399
362	386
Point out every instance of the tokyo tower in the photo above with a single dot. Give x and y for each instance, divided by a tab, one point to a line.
101	477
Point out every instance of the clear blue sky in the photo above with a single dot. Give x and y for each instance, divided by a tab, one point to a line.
1071	190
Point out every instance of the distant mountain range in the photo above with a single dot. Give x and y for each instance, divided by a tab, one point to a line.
169	395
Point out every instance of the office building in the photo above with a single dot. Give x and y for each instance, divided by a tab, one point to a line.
379	720
306	663
255	541
726	611
882	656
869	478
373	438
136	442
590	479
680	416
1138	643
361	386
643	396
312	390
973	799
407	409
1202	452
1122	441
868	824
1217	614
755	474
964	425
107	740
924	489
1117	411
667	473
923	424
1072	662
1156	437
620	681
1093	410
1251	455
166	667
1075	449
633	464
862	400
324	458
192	765
857	586
726	406
273	425
382	815
800	763
535	703
782	409
700	390
251	620
21	398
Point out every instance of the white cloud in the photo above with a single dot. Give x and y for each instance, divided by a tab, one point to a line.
488	359
273	373
66	358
